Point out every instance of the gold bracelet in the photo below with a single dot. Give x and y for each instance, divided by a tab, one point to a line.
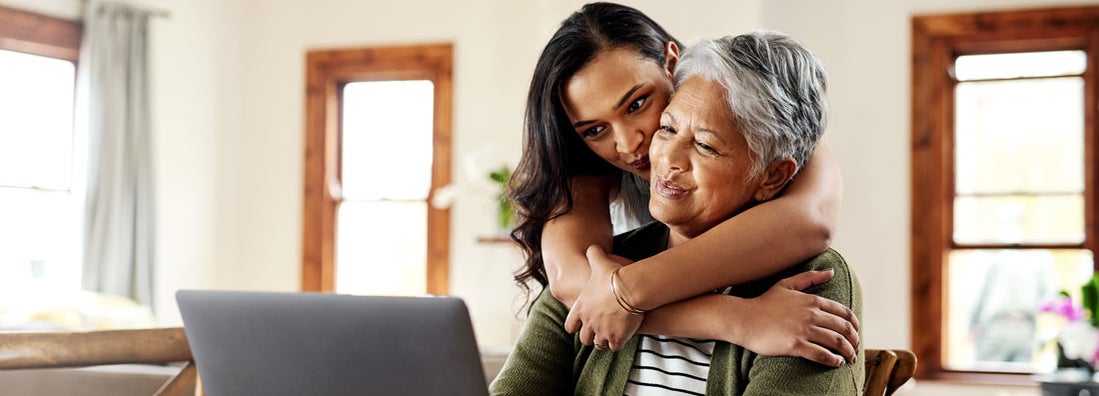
618	295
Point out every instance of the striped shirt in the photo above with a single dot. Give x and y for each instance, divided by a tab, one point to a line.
670	366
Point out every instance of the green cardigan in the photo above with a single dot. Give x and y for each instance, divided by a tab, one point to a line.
547	360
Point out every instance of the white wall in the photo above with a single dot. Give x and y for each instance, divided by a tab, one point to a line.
229	80
194	63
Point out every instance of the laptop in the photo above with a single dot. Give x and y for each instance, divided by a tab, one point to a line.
263	343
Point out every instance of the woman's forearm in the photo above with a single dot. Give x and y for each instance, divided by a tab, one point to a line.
565	238
783	321
698	317
759	242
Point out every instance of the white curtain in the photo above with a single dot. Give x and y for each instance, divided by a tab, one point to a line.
113	97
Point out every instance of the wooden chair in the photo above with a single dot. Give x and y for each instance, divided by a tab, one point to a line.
93	348
887	370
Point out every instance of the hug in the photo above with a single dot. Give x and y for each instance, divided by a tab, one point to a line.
747	114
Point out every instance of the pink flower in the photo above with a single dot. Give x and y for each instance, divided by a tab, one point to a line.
1064	306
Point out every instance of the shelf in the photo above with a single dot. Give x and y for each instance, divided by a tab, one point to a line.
494	239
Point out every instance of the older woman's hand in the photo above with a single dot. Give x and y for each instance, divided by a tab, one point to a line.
596	313
787	322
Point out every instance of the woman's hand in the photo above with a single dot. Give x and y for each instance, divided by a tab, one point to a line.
784	321
596	313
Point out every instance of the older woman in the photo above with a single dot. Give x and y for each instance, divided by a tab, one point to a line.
747	113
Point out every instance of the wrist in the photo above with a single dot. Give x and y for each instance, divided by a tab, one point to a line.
630	284
620	295
735	323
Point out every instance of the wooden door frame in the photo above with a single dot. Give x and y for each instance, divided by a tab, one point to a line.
327	71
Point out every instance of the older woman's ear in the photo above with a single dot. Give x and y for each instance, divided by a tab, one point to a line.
774	178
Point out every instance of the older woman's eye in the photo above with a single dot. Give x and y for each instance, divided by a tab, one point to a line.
636	104
592	132
664	129
705	147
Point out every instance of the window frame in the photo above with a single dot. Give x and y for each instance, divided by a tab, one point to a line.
327	71
37	34
936	42
42	35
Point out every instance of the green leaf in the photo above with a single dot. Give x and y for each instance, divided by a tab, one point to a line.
504	215
501	175
1090	296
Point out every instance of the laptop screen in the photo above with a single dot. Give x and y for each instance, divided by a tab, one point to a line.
262	343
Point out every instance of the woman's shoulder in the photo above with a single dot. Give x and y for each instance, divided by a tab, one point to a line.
830	259
844	286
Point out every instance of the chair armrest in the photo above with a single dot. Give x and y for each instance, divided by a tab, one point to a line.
92	348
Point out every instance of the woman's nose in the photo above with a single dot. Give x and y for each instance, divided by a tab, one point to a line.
629	139
673	153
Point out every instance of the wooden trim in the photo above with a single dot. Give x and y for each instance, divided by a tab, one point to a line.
318	232
37	34
326	73
926	261
1009	23
1091	150
438	220
936	41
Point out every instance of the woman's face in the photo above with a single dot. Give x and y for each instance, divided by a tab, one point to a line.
700	161
614	103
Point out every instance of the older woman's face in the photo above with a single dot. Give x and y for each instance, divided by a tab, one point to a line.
614	103
700	161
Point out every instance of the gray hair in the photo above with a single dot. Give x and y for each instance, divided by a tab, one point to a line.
774	87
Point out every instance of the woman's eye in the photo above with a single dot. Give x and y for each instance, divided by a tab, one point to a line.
705	147
636	104
666	129
591	132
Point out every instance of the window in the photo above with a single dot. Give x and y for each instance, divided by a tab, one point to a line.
385	142
1003	182
377	148
41	202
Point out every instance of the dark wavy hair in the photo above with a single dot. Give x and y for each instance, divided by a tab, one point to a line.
553	153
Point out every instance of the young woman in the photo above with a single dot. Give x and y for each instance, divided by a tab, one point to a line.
595	100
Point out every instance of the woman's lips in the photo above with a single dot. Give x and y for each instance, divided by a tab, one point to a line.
641	164
668	189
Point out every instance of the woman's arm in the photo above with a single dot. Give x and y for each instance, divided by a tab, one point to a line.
759	242
784	321
565	238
